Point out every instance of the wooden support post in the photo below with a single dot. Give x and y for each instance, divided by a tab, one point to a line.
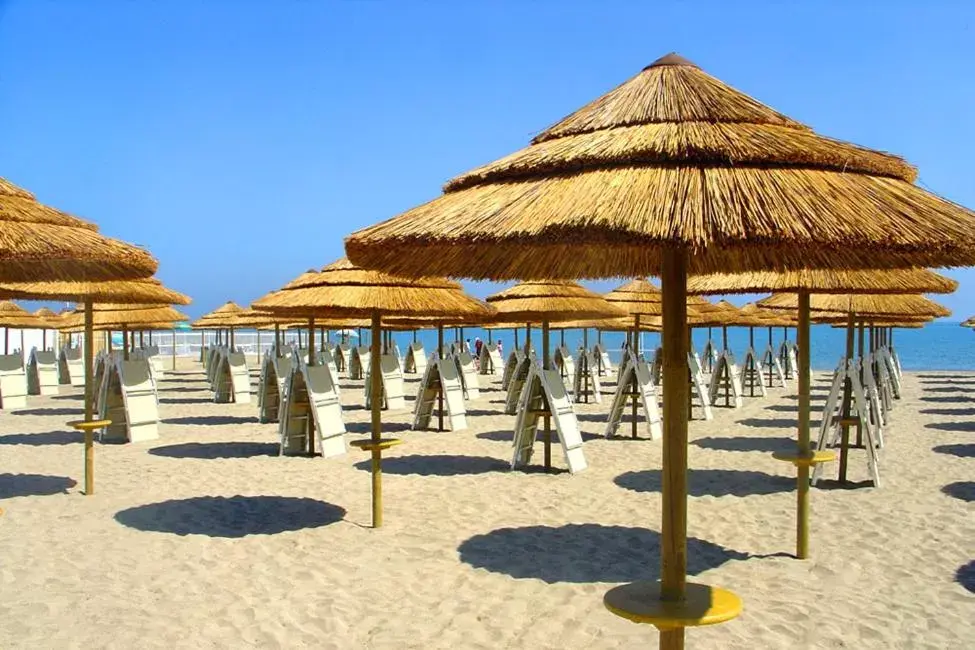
174	348
847	399
585	369
547	418
311	363
376	393
673	535
125	343
89	399
802	480
863	368
440	374
636	359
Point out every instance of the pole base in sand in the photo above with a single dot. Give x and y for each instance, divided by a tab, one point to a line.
814	458
702	605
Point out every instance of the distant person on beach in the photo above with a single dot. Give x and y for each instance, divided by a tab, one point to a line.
478	344
500	351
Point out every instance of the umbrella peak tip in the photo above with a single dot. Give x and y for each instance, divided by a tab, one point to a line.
673	58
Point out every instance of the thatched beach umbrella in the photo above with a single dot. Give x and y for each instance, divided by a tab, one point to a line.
803	283
344	290
88	292
46	320
38	242
673	172
13	316
548	301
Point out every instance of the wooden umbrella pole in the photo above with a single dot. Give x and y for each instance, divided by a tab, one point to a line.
6	340
516	337
802	479
673	535
847	398
635	383
311	362
585	364
547	418
724	338
440	374
174	348
863	368
125	343
528	339
89	401
375	388
277	341
772	359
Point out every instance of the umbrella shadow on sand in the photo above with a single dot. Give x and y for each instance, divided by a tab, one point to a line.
217	450
742	443
25	485
969	411
51	411
711	482
580	553
41	439
964	490
237	516
507	435
965	576
204	420
438	465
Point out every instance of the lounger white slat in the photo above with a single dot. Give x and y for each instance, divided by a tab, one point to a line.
71	367
831	428
468	375
340	353
274	378
325	358
752	374
42	373
699	388
416	361
130	401
789	359
516	383
394	394
546	387
440	371
726	377
773	368
359	362
605	366
635	377
515	357
585	380
311	393
13	383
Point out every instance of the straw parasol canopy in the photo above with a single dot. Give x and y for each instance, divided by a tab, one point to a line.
551	300
15	317
833	281
117	316
38	242
862	305
46	318
146	291
343	290
673	158
968	322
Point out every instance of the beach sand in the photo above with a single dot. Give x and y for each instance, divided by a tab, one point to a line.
206	538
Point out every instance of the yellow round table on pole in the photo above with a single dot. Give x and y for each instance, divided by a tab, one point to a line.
88	427
810	460
641	602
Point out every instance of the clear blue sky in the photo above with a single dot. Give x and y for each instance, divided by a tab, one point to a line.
240	141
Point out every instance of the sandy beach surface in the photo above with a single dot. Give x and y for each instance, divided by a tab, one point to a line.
207	538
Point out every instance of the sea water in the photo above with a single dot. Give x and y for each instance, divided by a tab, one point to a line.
937	346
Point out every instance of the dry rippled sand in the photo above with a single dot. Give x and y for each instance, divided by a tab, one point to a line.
205	538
